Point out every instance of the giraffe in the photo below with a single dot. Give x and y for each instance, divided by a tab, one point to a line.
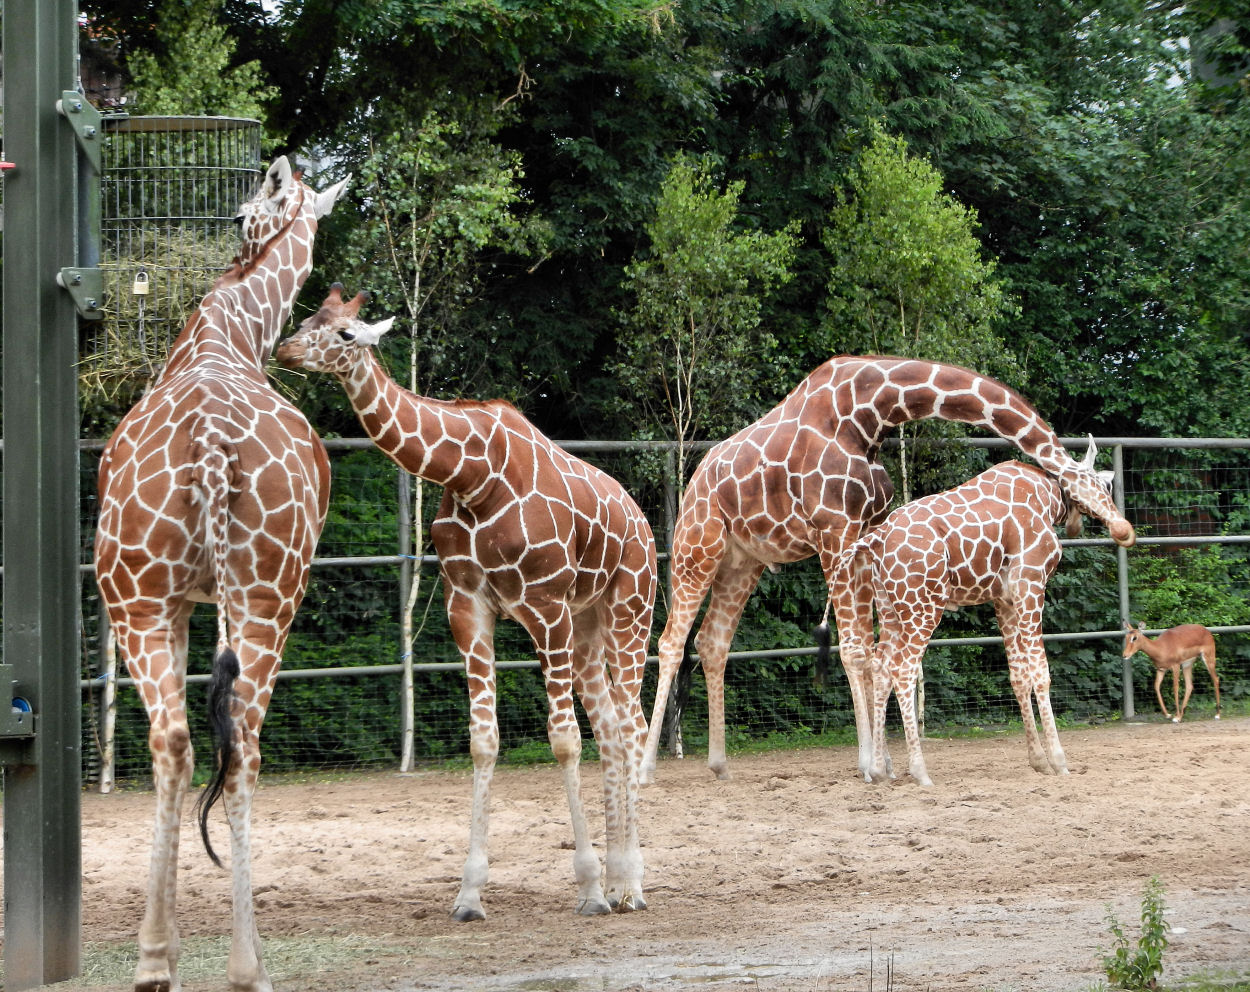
527	531
805	479
213	489
991	539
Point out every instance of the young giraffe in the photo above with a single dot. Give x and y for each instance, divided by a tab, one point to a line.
213	489
991	539
806	479
526	531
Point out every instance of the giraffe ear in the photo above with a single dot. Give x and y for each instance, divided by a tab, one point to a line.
277	178
324	201
371	334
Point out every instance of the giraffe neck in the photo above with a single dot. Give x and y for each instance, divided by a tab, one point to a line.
453	438
240	318
918	390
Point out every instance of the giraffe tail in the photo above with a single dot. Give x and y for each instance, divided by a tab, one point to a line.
213	475
822	635
221	721
824	644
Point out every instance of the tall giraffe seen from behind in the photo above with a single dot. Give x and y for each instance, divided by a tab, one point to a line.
526	531
806	478
213	488
991	539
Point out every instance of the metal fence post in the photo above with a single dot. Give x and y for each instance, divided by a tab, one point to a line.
408	572
42	774
1121	567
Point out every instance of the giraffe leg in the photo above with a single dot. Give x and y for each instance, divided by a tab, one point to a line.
259	664
473	627
850	589
1029	671
732	587
623	857
553	638
904	637
157	661
626	633
692	574
905	693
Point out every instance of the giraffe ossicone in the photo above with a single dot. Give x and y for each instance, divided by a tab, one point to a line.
213	488
806	479
526	531
990	539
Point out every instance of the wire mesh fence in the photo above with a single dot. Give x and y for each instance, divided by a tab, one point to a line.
339	702
169	190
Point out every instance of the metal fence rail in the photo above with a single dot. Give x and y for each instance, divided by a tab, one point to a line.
1207	487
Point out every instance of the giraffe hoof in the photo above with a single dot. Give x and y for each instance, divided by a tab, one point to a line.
631	903
467	914
593	907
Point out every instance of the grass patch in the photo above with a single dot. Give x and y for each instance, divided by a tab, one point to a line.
289	960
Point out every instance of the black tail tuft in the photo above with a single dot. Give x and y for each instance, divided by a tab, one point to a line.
823	642
221	721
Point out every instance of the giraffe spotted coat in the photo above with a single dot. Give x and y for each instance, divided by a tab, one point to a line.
991	539
526	531
806	478
213	488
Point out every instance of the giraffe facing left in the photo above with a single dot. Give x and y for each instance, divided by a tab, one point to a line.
213	488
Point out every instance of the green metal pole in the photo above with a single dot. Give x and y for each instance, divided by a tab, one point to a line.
42	775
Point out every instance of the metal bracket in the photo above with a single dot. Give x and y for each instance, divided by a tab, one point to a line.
16	718
85	119
86	286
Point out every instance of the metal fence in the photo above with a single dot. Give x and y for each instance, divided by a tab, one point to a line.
169	190
355	692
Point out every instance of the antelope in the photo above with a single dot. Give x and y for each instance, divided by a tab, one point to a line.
1175	650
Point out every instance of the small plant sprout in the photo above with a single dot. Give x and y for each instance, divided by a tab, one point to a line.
1138	969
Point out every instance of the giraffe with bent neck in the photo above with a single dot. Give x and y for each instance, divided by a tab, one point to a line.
213	488
805	479
527	531
991	539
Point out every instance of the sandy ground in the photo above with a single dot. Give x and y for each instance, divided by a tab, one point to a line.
793	875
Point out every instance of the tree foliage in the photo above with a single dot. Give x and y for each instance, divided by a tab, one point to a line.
690	348
907	275
190	70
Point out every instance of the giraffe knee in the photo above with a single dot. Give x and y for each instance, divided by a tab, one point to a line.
171	747
566	746
483	747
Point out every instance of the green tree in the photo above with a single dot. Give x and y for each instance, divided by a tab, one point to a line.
190	71
691	354
908	277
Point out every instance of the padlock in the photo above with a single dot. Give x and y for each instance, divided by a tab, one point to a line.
140	286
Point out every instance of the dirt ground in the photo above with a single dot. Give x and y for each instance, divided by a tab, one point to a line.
794	875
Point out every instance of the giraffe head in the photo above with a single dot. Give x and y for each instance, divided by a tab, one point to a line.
277	204
1089	492
334	338
1074	513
